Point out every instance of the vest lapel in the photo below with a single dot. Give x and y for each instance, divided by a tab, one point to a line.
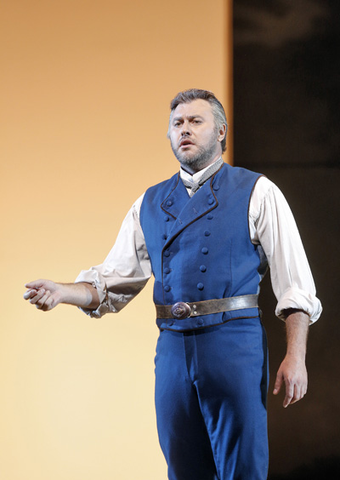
177	198
186	210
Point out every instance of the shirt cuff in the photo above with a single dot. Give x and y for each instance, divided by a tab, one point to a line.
92	276
301	300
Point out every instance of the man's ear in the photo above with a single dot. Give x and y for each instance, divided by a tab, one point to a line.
222	133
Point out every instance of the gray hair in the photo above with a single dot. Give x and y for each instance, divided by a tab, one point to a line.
188	96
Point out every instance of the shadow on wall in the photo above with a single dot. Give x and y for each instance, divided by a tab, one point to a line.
320	469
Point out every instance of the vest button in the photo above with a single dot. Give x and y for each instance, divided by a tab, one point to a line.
210	217
166	219
200	286
207	233
203	268
204	250
211	201
169	203
216	187
166	253
199	322
164	236
167	270
167	288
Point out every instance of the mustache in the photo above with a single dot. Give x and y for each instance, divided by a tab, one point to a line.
185	140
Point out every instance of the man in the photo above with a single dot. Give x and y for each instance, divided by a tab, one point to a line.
207	235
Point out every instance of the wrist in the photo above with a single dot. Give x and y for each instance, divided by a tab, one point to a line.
64	293
296	356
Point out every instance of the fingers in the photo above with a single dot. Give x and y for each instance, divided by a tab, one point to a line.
41	298
278	384
295	391
30	293
36	296
289	389
295	394
46	302
36	284
289	397
295	380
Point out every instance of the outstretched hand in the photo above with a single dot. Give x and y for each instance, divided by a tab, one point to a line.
44	294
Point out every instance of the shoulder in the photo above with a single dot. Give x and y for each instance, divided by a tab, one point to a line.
158	192
265	187
135	209
239	176
164	184
265	192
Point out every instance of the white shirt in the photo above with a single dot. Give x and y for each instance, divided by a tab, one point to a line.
127	268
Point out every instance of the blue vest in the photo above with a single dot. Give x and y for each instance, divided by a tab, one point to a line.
200	247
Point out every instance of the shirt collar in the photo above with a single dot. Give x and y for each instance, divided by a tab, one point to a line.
196	177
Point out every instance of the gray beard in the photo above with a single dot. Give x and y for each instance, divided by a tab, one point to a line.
198	161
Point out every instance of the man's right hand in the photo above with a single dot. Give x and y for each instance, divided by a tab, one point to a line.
44	294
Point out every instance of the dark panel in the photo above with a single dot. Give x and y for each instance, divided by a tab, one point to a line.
286	125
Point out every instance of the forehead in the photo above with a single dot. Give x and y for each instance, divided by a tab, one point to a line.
197	107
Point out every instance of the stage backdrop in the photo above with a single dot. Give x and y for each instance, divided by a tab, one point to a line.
287	124
85	94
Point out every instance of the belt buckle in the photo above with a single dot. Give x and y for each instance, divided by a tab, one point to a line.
181	310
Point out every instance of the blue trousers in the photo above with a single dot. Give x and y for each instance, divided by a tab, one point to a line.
210	394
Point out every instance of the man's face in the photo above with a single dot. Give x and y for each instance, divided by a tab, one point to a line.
195	140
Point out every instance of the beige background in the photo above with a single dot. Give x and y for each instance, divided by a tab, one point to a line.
85	95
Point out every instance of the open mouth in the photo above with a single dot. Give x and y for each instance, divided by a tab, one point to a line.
185	143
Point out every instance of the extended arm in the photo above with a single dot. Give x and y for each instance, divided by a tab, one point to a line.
107	287
45	294
292	371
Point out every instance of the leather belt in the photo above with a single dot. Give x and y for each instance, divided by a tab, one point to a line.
181	310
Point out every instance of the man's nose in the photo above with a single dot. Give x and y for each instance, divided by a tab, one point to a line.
185	129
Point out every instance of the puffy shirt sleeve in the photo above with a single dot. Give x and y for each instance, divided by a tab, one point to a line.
126	269
272	225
